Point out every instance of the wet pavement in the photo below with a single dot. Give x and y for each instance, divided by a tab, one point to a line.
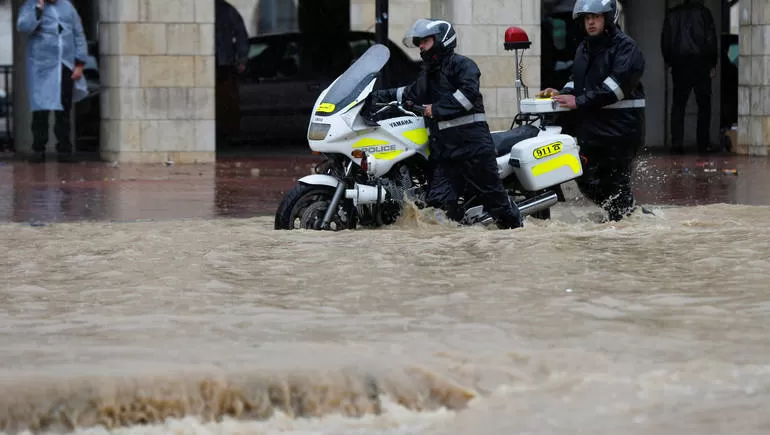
247	187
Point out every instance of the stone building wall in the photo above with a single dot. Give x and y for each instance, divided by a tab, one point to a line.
158	67
754	78
481	26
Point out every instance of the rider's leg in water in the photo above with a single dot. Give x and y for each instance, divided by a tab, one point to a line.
606	178
442	190
475	163
480	171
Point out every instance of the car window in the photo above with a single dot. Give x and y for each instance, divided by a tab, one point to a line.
732	53
289	64
262	61
255	49
272	61
325	59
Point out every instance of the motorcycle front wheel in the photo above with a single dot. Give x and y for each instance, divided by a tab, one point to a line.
304	206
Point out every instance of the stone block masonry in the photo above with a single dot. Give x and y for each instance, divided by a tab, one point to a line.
158	74
754	78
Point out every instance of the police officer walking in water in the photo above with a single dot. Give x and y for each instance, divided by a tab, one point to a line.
462	149
607	93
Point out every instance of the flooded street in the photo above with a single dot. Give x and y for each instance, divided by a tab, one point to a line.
654	325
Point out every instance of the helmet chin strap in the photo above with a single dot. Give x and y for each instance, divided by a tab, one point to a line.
435	53
430	55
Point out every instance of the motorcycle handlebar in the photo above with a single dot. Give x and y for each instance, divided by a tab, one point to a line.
420	109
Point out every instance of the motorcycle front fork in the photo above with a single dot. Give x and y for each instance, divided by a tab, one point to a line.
338	193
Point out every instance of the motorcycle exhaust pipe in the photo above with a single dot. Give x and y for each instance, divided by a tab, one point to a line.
541	202
363	194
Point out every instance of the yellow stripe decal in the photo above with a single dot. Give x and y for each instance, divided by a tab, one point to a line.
388	155
418	136
350	105
368	142
558	162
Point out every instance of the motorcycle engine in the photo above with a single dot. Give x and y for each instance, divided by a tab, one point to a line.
400	188
400	184
397	186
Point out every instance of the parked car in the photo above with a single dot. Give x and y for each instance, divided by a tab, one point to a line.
285	74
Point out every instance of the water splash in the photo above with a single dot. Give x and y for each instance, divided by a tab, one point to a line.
111	402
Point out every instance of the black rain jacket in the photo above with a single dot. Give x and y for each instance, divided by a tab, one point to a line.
451	85
607	72
689	37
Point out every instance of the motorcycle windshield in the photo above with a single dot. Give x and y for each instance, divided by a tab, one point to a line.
350	84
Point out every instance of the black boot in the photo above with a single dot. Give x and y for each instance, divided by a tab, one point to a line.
62	131
36	157
509	222
39	136
454	211
508	219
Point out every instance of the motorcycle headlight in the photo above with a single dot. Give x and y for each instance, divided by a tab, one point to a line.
318	131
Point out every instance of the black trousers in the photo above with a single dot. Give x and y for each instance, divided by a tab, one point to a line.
40	119
686	80
464	162
607	170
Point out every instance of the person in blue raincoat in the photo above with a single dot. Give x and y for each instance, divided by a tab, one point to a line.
56	54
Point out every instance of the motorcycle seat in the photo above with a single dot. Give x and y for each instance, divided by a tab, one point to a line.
505	140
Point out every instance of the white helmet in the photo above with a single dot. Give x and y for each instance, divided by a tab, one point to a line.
608	8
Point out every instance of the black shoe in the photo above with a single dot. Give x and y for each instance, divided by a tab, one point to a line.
454	211
510	221
36	157
708	150
677	150
64	157
63	151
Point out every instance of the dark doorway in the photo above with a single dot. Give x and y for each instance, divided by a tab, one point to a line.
87	116
559	39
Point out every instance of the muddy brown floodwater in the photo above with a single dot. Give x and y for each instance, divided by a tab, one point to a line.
198	323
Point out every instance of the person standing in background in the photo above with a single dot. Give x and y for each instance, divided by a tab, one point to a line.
232	50
690	50
56	54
